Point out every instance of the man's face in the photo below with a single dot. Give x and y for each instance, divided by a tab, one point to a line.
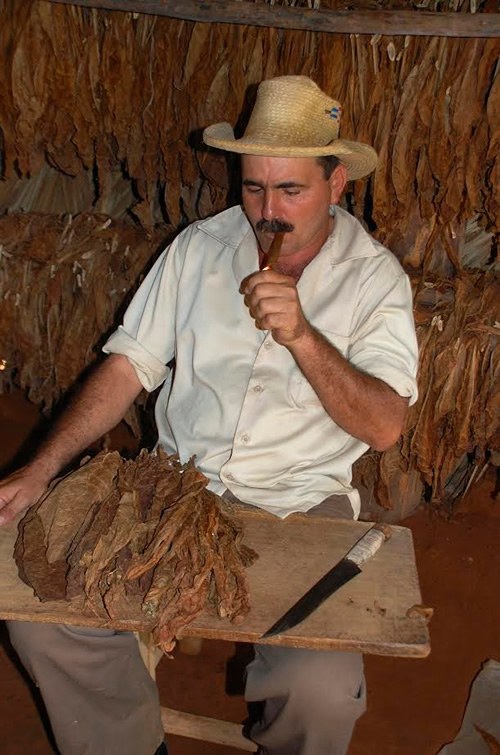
290	194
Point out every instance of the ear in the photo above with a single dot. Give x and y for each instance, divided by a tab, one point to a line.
337	182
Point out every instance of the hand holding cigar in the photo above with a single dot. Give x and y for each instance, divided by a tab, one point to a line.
273	302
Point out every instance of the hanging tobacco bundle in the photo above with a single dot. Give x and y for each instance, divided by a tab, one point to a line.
455	423
62	283
129	88
140	540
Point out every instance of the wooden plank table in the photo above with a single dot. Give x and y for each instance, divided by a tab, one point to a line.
369	613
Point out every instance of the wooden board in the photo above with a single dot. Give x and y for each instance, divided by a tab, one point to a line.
377	21
369	613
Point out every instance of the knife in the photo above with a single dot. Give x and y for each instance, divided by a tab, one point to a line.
347	568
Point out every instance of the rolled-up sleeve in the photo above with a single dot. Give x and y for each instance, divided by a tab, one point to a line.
146	336
150	370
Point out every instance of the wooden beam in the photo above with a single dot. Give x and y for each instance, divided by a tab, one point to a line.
205	729
387	22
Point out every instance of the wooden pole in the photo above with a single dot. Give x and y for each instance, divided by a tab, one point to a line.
386	22
205	729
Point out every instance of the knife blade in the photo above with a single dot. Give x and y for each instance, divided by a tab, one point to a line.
343	571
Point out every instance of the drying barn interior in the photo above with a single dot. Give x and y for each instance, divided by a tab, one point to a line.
102	106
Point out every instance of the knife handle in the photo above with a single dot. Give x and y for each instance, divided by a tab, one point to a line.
368	545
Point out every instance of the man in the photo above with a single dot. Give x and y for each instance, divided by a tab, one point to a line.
283	377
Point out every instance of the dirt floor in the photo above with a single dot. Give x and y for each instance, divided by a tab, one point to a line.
415	706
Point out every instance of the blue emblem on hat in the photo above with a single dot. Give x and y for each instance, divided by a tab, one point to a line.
334	112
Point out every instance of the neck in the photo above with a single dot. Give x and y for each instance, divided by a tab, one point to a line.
291	269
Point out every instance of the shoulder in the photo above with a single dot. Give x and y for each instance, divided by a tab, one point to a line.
209	244
228	227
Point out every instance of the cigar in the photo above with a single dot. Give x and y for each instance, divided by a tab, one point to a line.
274	250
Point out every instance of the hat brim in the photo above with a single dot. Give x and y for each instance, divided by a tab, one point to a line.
359	159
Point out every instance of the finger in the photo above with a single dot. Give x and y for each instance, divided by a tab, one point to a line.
11	508
244	284
248	284
274	321
8	513
283	306
264	276
4	501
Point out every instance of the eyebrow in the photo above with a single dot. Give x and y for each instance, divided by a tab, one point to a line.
282	185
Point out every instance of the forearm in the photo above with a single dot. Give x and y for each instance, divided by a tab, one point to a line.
97	407
364	406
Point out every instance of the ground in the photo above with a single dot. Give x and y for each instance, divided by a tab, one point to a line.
414	706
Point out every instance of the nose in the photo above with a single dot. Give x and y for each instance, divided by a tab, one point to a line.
269	205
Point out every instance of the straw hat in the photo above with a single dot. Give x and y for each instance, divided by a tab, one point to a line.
292	117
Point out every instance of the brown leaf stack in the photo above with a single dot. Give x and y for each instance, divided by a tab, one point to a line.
141	541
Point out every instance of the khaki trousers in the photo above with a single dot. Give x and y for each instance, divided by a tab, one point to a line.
102	701
312	699
99	696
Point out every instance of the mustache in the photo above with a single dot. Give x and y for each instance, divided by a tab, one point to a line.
273	226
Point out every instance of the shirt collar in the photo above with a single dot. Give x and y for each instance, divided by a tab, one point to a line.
232	229
347	241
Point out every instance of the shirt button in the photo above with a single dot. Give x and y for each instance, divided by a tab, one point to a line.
257	388
230	476
245	438
268	345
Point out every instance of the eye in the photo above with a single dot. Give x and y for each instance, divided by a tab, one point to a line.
291	192
253	189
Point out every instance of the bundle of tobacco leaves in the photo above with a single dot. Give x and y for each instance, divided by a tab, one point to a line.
139	540
455	424
63	281
130	88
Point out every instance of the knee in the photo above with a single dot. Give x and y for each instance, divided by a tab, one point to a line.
39	645
31	640
329	683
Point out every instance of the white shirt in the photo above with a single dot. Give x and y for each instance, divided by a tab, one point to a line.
237	400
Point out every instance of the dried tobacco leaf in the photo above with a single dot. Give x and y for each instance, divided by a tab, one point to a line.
46	532
72	499
48	580
457	417
150	545
127	92
62	281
